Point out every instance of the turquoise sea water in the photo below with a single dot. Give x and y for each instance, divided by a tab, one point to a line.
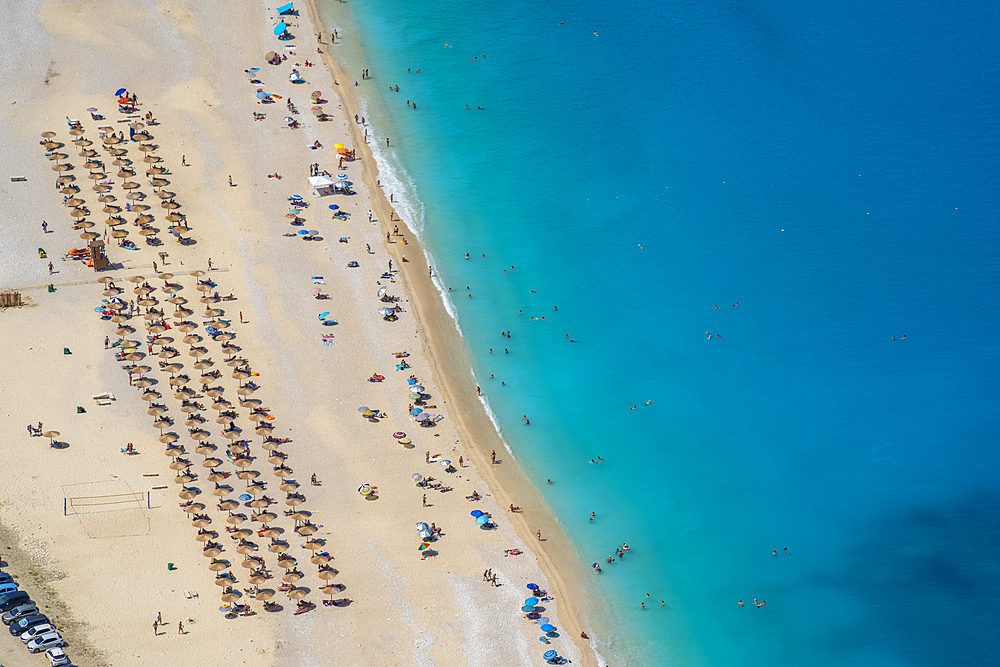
831	169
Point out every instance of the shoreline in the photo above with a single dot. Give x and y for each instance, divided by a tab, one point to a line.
452	368
115	569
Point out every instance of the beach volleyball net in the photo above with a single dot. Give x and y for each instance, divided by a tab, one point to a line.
105	503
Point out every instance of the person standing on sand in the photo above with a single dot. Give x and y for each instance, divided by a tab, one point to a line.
106	342
538	534
180	628
493	456
156	625
425	500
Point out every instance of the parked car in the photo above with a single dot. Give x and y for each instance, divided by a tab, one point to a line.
18	628
10	600
4	578
18	612
37	631
45	642
9	587
57	657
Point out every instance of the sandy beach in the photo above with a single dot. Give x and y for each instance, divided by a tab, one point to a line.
105	572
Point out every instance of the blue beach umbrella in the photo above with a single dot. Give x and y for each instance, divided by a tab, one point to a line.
323	316
527	608
548	655
303	232
531	600
532	587
280	28
333	207
313	232
476	513
341	177
414	411
482	520
548	628
244	496
118	93
261	94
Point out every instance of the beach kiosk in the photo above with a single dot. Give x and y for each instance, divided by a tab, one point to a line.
322	185
98	257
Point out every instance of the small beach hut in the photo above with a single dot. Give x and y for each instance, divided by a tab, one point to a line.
322	185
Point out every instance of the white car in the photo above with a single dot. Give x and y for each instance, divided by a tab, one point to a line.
45	642
37	631
57	657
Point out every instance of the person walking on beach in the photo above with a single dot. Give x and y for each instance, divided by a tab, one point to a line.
493	457
241	317
180	628
425	500
45	227
106	341
209	263
156	625
50	268
184	161
538	534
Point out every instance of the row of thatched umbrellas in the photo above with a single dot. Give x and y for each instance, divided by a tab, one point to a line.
79	211
238	448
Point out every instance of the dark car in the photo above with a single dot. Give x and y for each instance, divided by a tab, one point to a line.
26	623
5	578
10	600
19	612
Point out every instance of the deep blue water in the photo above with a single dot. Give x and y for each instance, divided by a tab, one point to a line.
831	169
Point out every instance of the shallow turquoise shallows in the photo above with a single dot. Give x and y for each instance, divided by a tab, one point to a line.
829	167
